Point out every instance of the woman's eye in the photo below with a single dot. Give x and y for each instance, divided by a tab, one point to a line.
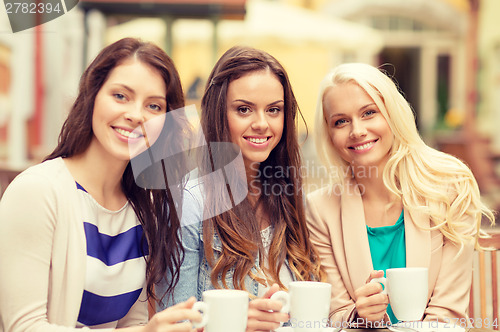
155	107
370	112
119	96
243	110
340	122
274	110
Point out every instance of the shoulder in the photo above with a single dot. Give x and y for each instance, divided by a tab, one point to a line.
326	195
192	202
323	204
42	178
41	192
451	190
194	191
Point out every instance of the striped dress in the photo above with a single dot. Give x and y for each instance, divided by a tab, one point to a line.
116	269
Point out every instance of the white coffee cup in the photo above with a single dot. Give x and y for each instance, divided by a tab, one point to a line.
308	303
223	310
407	289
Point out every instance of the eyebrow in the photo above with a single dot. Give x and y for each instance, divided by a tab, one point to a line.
126	87
360	109
253	104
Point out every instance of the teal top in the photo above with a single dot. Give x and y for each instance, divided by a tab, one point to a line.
388	249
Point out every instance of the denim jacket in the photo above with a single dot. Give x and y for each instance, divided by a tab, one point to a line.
195	271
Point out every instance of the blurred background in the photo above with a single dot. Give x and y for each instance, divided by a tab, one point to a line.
444	54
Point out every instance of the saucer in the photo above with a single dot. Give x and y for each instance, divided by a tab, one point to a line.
290	329
427	326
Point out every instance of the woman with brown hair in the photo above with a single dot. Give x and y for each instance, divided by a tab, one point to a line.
243	222
82	242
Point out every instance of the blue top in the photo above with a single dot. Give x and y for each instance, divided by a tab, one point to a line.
195	271
115	267
388	249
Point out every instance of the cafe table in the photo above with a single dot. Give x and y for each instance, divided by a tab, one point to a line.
290	329
387	330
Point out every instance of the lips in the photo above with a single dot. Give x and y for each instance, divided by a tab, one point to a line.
362	146
127	133
258	140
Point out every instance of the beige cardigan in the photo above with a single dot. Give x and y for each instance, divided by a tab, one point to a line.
43	253
338	231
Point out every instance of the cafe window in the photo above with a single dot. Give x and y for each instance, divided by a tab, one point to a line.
398	23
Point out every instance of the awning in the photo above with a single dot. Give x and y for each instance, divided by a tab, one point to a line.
221	9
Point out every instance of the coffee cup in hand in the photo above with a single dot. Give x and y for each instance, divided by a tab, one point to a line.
223	310
407	290
308	303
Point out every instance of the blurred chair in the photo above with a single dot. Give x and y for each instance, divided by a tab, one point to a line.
485	281
478	154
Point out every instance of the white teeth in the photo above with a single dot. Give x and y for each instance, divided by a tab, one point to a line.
257	140
127	133
364	146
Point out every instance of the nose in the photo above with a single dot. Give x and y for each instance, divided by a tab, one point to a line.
135	114
259	122
357	130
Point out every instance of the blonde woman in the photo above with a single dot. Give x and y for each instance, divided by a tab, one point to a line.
393	201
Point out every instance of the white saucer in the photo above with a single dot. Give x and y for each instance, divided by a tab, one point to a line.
290	329
428	326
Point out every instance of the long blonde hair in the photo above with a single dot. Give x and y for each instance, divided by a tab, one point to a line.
414	171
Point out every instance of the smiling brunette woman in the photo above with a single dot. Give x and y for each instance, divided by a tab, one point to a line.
399	202
261	243
81	244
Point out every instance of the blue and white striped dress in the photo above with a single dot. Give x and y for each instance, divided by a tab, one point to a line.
116	269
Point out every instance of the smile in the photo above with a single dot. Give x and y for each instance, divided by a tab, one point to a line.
126	133
363	146
257	140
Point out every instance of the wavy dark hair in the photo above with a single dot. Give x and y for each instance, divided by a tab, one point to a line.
238	229
154	208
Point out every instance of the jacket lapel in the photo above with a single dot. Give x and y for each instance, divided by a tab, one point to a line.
418	241
357	249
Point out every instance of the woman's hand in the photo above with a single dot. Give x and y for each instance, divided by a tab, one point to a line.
264	314
371	304
176	318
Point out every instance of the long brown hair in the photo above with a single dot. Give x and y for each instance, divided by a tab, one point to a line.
155	208
238	228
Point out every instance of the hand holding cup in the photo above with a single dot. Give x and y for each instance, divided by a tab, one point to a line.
223	310
407	289
308	303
